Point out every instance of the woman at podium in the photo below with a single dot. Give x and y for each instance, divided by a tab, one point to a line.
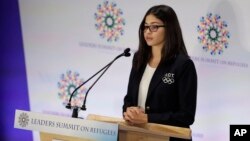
162	85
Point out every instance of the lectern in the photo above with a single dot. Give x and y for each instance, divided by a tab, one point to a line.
95	128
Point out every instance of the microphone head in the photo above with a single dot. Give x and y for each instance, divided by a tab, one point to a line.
126	52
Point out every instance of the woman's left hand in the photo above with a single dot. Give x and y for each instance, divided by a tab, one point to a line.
135	115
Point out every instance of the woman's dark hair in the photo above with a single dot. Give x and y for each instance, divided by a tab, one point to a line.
173	36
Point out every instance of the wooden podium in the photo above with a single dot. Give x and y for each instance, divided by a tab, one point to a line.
94	128
145	132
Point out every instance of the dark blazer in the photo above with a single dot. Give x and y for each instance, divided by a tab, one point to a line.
172	93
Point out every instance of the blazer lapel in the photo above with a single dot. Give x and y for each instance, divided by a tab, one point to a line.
157	78
137	82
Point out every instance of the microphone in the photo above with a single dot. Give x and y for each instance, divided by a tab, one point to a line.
125	53
105	68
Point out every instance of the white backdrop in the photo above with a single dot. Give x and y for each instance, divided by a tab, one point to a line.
63	48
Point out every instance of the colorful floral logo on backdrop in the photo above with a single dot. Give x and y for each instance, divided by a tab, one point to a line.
213	34
68	83
109	21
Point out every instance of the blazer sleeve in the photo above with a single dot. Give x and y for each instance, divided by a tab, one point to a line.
129	97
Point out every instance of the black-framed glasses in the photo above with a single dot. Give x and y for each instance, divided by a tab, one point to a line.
152	28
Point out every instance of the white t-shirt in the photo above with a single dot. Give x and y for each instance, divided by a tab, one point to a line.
144	85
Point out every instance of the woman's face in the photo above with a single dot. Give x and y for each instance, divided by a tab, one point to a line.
154	31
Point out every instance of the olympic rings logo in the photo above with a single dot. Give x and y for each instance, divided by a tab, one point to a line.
168	78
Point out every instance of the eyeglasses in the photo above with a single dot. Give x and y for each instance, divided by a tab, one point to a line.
152	28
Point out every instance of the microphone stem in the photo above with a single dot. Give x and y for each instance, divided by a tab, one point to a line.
108	65
84	103
88	80
105	68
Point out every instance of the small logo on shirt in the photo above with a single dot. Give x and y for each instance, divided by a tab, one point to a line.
168	78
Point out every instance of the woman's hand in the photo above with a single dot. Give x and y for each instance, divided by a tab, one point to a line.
135	115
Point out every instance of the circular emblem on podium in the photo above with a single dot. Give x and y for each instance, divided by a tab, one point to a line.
23	119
